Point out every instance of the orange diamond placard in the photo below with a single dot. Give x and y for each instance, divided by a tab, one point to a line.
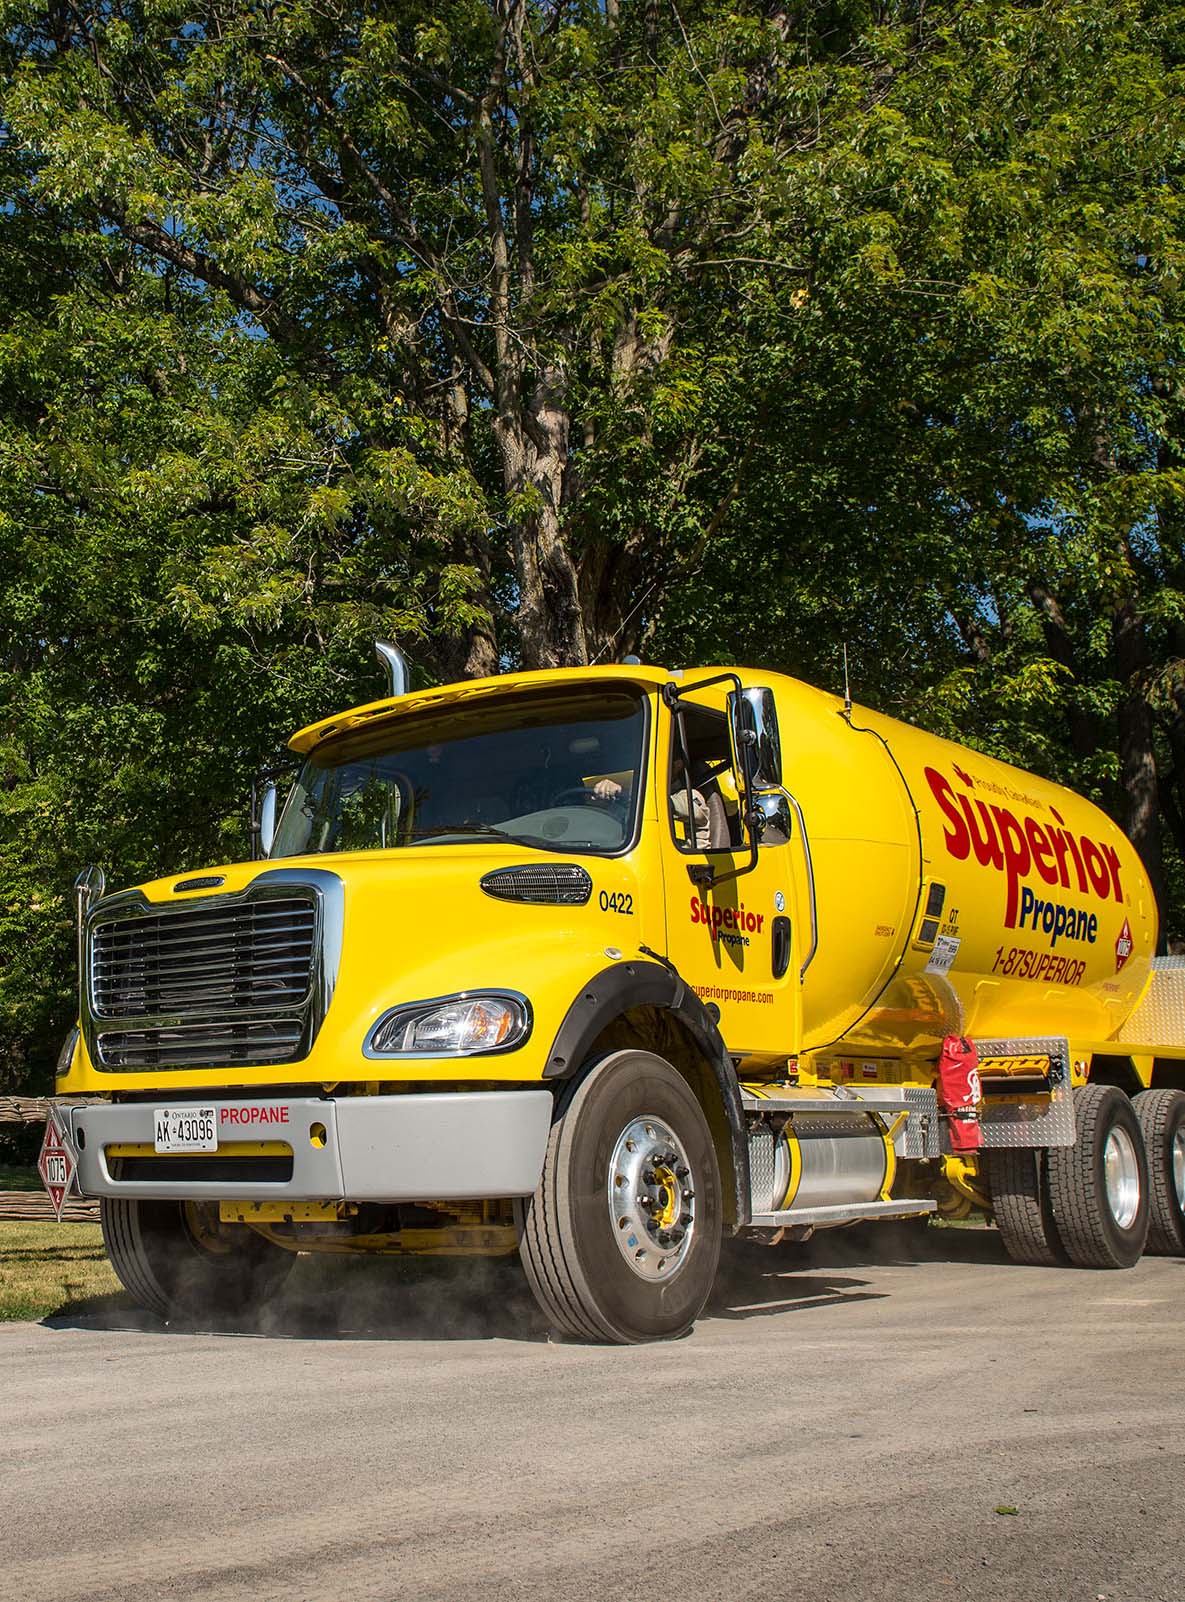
57	1164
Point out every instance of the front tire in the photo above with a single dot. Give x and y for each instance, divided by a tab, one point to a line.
1161	1114
1098	1187
173	1260
621	1240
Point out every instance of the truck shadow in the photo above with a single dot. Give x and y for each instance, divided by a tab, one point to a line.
756	1280
357	1299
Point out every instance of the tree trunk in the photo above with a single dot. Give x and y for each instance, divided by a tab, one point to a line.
535	464
1084	728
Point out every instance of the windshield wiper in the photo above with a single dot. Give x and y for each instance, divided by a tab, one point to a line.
453	829
463	831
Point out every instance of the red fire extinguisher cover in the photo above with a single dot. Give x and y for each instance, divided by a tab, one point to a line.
960	1093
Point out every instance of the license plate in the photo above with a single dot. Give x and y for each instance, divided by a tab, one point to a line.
185	1129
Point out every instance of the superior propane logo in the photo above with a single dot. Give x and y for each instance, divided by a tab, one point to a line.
1019	846
727	924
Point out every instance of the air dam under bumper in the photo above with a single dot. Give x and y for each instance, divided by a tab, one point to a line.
443	1147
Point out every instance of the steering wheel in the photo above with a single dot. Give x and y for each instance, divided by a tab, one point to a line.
581	795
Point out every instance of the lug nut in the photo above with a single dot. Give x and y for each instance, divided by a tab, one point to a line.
682	1171
645	1201
677	1234
649	1177
688	1195
685	1218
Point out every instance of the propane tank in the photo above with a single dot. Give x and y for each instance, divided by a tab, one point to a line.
954	894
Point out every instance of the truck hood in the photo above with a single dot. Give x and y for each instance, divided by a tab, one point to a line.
416	925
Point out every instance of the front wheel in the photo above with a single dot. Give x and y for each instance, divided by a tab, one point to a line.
621	1239
174	1259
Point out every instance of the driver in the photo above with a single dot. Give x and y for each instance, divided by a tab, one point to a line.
610	789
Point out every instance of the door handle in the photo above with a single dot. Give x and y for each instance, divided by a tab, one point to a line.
780	930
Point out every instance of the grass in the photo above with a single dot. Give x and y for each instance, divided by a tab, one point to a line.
52	1268
19	1178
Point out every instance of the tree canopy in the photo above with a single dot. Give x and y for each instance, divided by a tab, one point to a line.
545	332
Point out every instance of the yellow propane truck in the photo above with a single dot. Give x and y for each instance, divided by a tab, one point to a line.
602	965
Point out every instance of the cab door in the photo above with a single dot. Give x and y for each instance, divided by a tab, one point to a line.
734	930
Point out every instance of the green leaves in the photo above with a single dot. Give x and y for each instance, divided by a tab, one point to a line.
525	334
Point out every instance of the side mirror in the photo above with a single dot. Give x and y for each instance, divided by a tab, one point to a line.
756	745
267	819
772	816
88	888
758	713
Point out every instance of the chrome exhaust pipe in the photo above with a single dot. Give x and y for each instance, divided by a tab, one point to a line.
396	665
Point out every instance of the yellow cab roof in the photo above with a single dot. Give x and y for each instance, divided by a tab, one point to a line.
469	690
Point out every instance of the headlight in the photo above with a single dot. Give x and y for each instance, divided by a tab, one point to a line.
452	1026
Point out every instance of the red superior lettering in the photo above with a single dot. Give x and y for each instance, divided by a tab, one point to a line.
726	917
1016	847
258	1113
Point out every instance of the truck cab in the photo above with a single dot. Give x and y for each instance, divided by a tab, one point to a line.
360	1040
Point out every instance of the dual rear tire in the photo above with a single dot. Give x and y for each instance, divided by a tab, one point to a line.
1161	1115
1117	1191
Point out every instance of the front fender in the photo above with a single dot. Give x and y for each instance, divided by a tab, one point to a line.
617	990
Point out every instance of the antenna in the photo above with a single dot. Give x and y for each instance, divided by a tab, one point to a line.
847	694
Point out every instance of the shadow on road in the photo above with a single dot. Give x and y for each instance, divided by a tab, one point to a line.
332	1298
757	1280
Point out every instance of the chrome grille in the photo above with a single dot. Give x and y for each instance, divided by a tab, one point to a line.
202	1045
224	981
204	959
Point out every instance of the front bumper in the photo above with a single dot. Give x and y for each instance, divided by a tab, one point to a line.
477	1145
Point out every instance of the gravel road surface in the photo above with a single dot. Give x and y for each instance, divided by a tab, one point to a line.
845	1426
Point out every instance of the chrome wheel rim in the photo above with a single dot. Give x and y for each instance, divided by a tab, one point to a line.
651	1196
1121	1175
1179	1166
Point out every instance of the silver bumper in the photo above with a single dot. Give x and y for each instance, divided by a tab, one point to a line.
444	1147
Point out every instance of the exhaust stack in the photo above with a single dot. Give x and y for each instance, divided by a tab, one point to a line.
395	663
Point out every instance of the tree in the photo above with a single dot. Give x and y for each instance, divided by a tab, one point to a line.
535	333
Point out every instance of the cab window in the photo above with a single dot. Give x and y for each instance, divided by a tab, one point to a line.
704	806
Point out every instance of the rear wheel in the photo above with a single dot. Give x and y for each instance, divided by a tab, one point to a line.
1099	1186
174	1259
1020	1204
621	1240
1161	1115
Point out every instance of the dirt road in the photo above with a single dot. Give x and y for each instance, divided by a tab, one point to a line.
839	1428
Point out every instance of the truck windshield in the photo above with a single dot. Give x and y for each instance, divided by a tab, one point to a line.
557	770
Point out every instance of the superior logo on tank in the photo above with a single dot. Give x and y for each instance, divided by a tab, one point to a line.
1018	846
